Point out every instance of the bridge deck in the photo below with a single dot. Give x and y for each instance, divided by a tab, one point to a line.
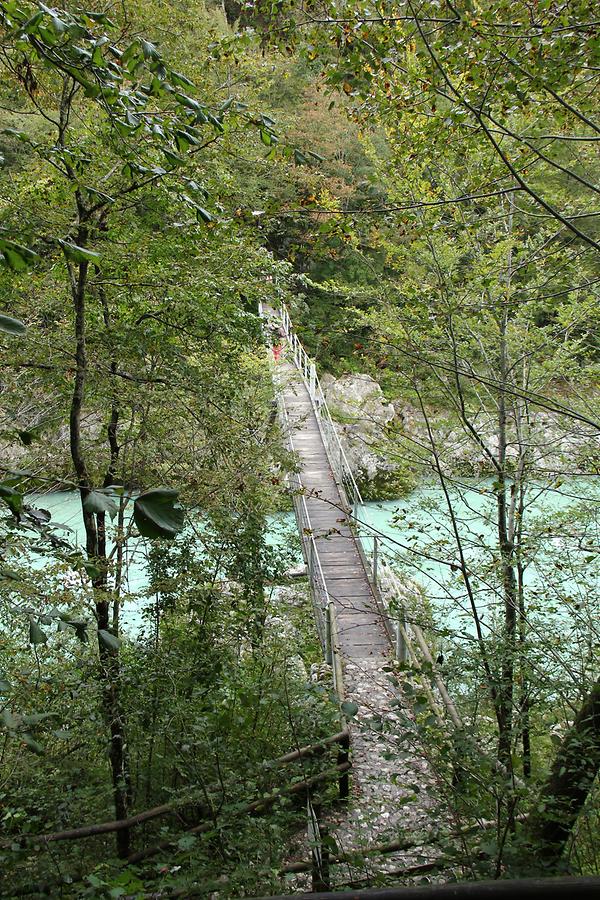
361	630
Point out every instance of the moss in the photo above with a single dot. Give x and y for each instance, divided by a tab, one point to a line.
342	417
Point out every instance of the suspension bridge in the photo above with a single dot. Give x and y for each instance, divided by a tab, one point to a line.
359	608
366	617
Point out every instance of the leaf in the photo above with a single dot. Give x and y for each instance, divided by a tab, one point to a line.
111	641
349	708
36	718
11	326
99	502
89	88
12	498
149	50
186	842
36	635
14	260
203	215
28	435
78	254
80	630
155	514
9	720
91	569
5	686
172	158
31	743
10	574
180	80
182	141
15	256
14	132
184	100
39	516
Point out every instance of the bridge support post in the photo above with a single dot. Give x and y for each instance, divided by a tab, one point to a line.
312	380
401	648
328	638
342	757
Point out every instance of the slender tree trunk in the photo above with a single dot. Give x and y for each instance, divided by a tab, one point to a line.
505	539
524	698
509	586
96	551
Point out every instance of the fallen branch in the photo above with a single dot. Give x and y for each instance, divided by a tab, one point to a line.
375	850
256	806
97	828
313	749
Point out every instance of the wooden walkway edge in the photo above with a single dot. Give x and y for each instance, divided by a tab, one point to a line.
361	631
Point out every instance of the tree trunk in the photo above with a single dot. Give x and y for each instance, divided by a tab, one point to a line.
96	552
566	789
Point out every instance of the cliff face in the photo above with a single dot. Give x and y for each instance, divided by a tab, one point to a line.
386	443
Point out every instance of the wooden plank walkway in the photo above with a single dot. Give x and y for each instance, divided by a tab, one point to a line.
361	631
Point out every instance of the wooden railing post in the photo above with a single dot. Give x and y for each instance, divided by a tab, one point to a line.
401	648
343	757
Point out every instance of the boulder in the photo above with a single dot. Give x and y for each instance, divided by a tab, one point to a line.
359	400
361	414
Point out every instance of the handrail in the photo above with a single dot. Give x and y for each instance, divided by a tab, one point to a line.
174	807
335	452
384	581
323	604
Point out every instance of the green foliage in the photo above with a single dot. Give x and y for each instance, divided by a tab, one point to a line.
430	191
190	703
155	515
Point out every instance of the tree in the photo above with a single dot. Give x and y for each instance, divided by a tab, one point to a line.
122	126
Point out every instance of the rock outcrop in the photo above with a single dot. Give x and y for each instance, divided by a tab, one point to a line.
387	443
361	415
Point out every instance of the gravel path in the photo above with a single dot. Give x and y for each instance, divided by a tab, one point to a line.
394	793
393	787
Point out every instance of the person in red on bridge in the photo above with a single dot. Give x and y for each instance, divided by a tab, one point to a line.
278	347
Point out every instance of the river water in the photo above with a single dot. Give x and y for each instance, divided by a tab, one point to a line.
416	533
